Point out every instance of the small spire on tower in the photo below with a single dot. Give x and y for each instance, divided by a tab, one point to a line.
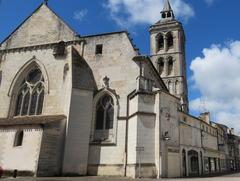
167	12
167	6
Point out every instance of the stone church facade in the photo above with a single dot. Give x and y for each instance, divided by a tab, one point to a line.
92	105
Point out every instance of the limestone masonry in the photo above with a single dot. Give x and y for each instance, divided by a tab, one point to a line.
92	105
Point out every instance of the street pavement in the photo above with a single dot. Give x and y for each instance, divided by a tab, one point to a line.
233	177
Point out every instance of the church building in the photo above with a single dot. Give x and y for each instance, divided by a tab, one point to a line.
93	105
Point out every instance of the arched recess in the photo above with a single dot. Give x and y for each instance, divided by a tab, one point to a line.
17	83
105	135
170	65
193	163
160	65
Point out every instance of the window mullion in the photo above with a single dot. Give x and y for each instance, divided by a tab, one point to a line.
20	113
104	119
36	108
29	102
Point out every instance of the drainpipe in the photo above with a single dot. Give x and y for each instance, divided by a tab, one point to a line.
160	137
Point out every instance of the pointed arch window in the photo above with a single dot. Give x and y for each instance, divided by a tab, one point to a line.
169	14
104	125
163	15
30	95
18	140
160	42
169	40
105	113
170	65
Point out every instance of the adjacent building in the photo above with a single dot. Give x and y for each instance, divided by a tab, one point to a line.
93	105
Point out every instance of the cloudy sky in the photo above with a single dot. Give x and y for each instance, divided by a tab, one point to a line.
212	48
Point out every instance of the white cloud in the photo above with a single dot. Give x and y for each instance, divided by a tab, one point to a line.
79	15
131	12
217	76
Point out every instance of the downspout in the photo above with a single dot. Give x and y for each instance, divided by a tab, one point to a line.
160	137
202	159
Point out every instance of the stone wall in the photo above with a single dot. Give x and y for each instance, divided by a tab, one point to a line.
22	158
51	153
42	27
78	133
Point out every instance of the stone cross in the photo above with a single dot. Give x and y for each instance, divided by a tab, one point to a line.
46	2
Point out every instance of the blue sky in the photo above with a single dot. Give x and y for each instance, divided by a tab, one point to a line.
210	25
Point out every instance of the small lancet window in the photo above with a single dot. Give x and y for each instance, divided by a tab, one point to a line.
163	15
59	49
160	65
170	65
160	42
169	14
169	40
31	94
105	113
18	140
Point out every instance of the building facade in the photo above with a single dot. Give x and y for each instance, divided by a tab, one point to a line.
92	105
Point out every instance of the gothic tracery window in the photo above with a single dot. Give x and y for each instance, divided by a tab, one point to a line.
31	94
105	113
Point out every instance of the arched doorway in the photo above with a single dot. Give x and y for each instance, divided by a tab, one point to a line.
193	163
184	167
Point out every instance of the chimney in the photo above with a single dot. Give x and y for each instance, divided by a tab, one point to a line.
205	117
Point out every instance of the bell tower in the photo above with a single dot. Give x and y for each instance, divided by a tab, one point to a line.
168	53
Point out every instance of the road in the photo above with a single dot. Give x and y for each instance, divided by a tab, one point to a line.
233	177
